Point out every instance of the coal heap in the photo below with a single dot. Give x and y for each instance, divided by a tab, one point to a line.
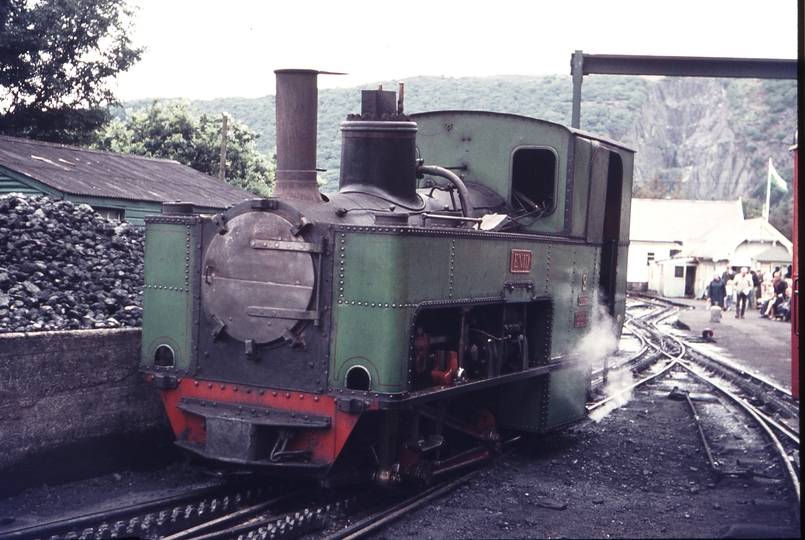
64	267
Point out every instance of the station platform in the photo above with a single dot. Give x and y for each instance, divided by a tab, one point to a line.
759	345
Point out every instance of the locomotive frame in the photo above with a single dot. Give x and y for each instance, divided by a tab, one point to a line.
390	330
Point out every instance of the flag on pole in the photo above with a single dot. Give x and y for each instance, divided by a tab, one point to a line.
776	179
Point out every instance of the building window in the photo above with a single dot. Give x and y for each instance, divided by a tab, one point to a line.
674	252
679	271
110	213
533	180
649	257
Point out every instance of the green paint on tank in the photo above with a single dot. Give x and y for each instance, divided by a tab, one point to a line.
393	269
384	276
168	293
568	395
375	338
546	402
521	404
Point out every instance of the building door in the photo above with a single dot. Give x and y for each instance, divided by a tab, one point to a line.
690	281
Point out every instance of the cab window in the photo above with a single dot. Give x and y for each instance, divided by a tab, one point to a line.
533	181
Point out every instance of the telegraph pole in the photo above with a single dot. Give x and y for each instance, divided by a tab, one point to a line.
222	165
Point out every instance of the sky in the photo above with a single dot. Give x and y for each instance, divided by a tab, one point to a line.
204	49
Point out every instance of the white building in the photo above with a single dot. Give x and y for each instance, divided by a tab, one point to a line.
676	245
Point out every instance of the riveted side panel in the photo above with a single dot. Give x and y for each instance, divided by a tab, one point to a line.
562	286
620	297
372	304
545	403
374	339
168	303
554	400
568	396
429	263
481	269
574	280
383	276
522	405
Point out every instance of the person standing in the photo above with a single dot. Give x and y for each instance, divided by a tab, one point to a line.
755	288
717	292
743	287
758	288
730	288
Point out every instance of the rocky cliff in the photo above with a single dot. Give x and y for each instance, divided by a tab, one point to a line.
711	138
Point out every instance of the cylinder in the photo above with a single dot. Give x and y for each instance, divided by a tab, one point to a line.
379	157
297	103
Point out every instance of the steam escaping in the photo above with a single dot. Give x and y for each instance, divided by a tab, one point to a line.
601	341
595	348
618	391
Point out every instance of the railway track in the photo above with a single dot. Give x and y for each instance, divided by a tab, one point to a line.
762	440
394	509
249	511
727	396
158	518
244	512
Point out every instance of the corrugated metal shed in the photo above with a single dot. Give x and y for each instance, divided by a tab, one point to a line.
109	179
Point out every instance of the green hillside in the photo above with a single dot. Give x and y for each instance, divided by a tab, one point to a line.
695	138
610	104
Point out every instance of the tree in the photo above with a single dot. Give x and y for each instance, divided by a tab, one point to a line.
752	208
657	189
781	217
56	60
171	131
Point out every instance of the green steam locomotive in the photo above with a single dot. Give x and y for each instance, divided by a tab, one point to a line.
393	330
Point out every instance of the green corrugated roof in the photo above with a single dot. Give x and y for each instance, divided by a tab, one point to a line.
94	173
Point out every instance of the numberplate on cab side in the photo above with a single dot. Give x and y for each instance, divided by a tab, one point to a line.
520	262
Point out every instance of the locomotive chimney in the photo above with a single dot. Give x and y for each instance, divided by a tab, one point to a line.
297	103
378	151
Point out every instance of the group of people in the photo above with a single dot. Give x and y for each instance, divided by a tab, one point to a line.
769	292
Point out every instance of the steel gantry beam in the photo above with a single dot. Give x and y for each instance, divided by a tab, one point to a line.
673	66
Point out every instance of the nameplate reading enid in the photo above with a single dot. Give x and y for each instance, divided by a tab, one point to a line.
520	261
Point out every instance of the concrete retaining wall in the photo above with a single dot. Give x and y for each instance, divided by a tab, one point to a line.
62	389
